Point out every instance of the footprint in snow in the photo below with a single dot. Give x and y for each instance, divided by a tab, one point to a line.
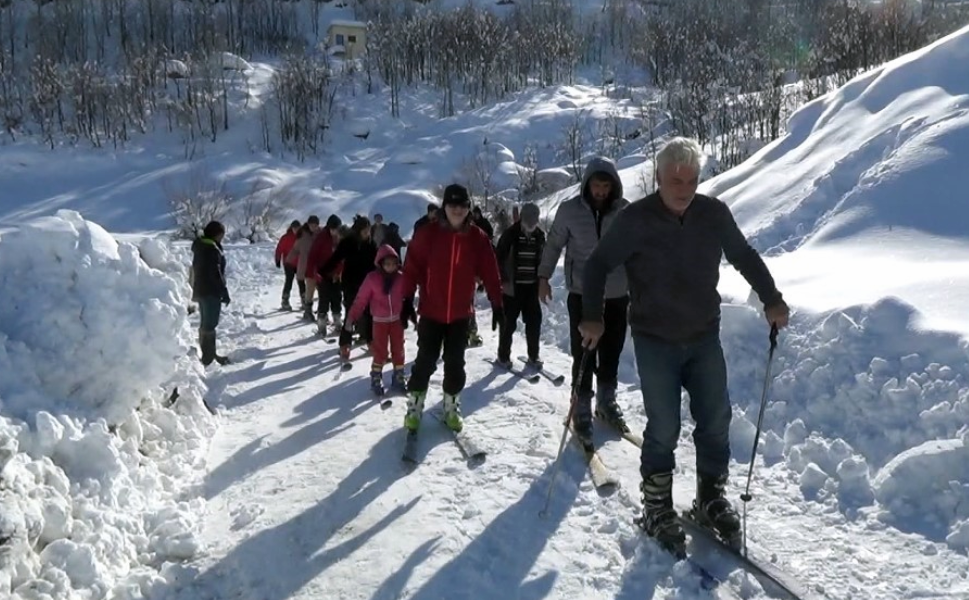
245	515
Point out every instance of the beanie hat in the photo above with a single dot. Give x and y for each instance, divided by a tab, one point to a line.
457	195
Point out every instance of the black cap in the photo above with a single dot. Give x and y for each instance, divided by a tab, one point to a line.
313	220
333	222
457	195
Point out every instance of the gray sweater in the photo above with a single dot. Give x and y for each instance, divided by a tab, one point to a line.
575	230
673	266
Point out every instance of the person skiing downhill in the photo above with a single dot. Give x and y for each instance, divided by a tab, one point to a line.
283	249
519	251
358	253
382	294
209	288
670	245
443	261
578	225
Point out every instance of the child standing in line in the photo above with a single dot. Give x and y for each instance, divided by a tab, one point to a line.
382	291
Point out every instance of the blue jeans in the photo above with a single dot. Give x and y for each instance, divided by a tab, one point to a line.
665	368
210	309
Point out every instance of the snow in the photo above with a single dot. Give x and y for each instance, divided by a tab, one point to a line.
860	485
94	458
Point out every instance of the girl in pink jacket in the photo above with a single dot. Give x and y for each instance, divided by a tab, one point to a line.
382	292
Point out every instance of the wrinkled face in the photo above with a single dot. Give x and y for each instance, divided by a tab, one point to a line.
599	189
390	264
677	186
456	214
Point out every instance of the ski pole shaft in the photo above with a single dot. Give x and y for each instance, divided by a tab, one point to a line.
565	431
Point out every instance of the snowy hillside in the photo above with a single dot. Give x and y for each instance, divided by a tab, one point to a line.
862	481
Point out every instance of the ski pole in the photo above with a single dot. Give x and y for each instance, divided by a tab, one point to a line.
565	431
746	496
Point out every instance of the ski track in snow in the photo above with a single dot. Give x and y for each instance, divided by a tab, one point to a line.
308	497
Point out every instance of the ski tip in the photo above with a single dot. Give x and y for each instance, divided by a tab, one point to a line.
385	404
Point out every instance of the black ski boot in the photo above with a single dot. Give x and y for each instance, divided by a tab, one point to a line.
286	305
398	382
308	312
377	383
659	519
607	408
582	419
711	509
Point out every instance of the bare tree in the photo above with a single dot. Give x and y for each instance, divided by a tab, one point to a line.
572	148
195	201
262	211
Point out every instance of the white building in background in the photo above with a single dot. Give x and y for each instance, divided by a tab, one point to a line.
350	37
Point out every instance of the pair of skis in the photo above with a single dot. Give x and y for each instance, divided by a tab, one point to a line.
529	373
471	449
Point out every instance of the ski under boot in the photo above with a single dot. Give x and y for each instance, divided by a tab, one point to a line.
582	419
397	381
377	383
452	412
534	364
712	510
607	408
415	408
659	519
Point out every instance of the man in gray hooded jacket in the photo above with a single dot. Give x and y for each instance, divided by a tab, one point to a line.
579	224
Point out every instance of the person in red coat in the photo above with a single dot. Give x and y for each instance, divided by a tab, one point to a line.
443	262
283	249
320	251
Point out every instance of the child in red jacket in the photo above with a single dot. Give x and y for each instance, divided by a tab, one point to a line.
283	249
382	291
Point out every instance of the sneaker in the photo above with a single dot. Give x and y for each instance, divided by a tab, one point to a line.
452	412
377	383
415	408
397	381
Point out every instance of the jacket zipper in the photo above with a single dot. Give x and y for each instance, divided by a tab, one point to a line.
450	281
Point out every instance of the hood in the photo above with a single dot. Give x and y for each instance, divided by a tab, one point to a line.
201	242
383	252
601	164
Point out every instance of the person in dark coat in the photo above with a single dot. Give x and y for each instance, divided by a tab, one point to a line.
209	288
519	252
433	214
482	221
392	238
358	253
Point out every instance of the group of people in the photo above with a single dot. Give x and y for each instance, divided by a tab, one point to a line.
652	264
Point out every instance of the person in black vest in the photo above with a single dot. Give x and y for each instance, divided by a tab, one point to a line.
519	253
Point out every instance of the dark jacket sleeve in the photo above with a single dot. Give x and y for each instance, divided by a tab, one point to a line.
610	253
342	251
503	251
745	259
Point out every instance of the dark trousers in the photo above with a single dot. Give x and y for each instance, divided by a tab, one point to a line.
288	284
604	361
210	309
665	368
432	336
363	326
525	303
330	298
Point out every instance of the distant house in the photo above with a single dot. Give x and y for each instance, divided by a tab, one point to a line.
350	37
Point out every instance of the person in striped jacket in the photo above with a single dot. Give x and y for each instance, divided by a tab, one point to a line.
519	253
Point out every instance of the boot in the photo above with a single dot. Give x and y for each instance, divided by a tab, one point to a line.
285	304
452	412
712	509
397	381
321	323
503	361
659	519
474	340
534	364
337	322
377	383
222	360
415	408
607	408
582	418
207	346
308	312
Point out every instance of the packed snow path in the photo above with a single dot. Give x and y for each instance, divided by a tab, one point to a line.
308	498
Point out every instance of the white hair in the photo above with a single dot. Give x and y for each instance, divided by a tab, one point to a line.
680	151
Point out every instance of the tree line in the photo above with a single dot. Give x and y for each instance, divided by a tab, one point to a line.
101	71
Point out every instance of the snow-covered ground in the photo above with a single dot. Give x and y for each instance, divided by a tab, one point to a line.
295	487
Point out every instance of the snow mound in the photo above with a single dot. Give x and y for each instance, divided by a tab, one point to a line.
882	153
102	424
84	322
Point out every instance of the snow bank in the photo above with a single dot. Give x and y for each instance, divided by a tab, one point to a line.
95	449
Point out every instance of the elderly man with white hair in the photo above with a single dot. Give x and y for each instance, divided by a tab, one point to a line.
670	244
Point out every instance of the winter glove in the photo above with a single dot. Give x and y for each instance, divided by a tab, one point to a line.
407	312
225	298
497	316
278	264
346	337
